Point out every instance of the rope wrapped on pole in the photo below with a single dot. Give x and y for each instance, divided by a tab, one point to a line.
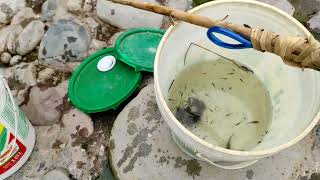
303	52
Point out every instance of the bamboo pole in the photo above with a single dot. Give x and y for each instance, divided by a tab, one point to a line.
195	19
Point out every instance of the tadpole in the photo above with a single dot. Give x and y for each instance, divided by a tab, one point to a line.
191	112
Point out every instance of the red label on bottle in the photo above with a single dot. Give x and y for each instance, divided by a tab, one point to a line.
18	151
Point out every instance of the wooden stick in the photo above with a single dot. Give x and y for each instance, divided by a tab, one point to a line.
194	19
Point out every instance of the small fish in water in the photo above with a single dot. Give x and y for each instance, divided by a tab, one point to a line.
228	145
253	122
238	124
195	107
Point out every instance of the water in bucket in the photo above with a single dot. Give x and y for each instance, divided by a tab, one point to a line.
223	103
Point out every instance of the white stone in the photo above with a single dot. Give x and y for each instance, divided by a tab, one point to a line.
44	106
13	38
284	5
45	75
314	23
126	17
4	33
92	24
74	5
24	73
62	88
54	10
48	10
76	122
5	57
20	96
96	45
89	6
15	60
24	16
178	4
57	174
30	37
8	8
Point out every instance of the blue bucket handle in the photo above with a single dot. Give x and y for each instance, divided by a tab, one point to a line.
244	42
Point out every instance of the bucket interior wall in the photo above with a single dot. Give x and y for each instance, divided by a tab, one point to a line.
293	92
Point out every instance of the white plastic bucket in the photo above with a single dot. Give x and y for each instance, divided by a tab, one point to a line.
294	93
17	136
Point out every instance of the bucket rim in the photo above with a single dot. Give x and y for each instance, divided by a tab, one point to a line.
160	98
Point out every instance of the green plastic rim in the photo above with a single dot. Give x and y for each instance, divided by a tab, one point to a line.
137	47
93	91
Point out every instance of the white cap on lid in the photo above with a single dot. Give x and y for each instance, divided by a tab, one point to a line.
106	63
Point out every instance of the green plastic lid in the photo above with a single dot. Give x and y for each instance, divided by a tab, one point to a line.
101	82
137	47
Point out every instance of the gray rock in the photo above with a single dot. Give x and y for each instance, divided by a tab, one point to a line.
179	4
57	174
15	60
4	33
126	17
48	9
284	5
74	5
314	23
13	38
305	8
44	106
8	8
23	73
76	122
64	41
23	17
30	37
96	45
5	57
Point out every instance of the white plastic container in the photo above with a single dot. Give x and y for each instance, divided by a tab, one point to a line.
294	93
17	136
